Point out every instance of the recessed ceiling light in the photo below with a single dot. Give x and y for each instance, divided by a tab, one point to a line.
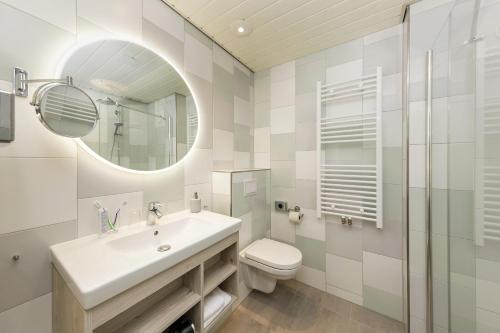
241	27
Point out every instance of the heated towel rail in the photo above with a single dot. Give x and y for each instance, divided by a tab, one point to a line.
349	190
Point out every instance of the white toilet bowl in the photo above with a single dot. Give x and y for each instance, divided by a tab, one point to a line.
265	261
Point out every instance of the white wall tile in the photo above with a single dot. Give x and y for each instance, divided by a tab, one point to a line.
223	145
305	165
197	58
283	72
130	204
417	166
36	192
344	273
198	166
242	160
283	120
262	140
242	112
384	273
32	316
122	17
204	193
281	228
223	59
221	183
64	17
262	160
282	93
29	127
311	226
164	17
312	277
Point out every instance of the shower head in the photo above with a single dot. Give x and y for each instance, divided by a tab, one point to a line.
107	101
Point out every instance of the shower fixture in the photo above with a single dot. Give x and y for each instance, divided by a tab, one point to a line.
110	101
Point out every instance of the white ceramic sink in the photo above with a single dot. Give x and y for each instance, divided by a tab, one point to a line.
97	268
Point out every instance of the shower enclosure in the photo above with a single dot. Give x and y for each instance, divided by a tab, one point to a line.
454	166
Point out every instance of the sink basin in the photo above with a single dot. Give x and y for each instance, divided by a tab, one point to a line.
175	234
99	267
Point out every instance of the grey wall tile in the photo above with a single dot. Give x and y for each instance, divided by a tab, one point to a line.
417	209
389	240
223	99
201	37
307	75
343	53
283	147
240	204
241	84
461	212
386	53
262	89
392	165
305	136
306	193
345	241
262	113
305	108
383	302
30	277
287	194
313	252
461	166
440	211
203	91
283	173
243	141
462	256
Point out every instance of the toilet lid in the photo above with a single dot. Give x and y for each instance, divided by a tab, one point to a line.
274	254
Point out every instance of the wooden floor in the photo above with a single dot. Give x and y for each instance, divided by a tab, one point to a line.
295	307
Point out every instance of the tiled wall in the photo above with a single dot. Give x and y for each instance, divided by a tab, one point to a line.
48	184
359	263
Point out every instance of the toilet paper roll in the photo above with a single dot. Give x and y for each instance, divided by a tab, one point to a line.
295	217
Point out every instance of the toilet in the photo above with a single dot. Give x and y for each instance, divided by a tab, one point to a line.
265	261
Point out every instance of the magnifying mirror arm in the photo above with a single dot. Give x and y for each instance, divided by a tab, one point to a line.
21	81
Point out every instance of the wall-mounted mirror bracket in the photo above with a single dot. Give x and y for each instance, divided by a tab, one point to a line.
21	81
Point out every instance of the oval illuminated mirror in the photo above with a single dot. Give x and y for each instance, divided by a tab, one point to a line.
147	115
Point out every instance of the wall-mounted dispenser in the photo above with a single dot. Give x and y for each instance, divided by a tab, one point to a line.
6	116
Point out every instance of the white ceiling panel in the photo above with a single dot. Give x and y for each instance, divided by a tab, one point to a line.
288	29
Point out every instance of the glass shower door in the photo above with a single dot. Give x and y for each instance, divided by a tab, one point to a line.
465	170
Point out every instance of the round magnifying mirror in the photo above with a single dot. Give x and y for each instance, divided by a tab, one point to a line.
65	110
148	119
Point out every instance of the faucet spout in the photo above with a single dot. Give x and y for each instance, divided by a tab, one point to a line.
154	213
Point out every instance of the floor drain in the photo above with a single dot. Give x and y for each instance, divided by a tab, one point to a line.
163	248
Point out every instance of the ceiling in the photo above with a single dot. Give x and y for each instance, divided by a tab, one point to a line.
125	70
284	30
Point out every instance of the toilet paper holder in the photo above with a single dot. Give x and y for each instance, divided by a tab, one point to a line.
296	209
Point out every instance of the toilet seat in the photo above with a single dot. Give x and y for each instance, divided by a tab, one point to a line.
275	255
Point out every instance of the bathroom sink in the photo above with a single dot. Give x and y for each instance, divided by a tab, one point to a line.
174	234
99	267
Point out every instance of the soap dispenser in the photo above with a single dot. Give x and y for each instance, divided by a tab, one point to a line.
195	203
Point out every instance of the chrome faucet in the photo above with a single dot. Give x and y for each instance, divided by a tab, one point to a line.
154	213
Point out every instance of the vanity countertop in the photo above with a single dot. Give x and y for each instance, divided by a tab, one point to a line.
98	267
